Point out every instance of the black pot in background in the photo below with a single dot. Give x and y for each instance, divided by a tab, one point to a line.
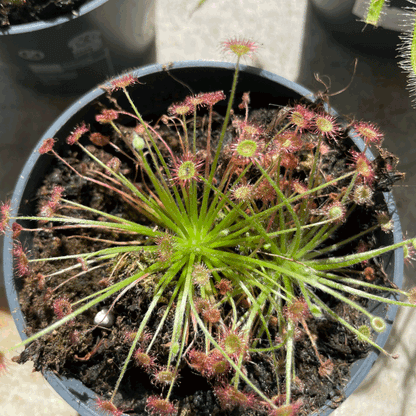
156	91
344	19
73	53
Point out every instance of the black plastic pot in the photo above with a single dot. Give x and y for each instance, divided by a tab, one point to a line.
73	53
156	91
344	19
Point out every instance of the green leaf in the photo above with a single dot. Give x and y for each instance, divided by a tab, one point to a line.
408	51
374	12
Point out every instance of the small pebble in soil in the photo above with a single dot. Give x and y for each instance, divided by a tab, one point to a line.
104	318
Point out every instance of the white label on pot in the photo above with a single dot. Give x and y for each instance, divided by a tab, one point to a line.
52	74
86	43
391	17
31	54
46	69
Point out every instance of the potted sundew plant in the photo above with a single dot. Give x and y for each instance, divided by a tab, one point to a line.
207	261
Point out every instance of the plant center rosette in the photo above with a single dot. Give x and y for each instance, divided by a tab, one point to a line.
221	249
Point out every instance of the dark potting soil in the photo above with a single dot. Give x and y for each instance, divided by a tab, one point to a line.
97	357
12	14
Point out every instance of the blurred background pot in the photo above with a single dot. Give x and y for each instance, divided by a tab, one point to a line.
344	20
73	53
153	95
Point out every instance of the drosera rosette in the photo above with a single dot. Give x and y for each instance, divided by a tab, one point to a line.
233	239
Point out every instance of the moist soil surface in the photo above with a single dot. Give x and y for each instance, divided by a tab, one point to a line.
12	14
97	357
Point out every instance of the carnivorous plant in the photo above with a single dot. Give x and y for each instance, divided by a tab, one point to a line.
243	239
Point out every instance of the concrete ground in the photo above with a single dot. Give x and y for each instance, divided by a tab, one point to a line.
294	45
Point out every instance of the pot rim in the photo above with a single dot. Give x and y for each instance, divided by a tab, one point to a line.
69	389
47	24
